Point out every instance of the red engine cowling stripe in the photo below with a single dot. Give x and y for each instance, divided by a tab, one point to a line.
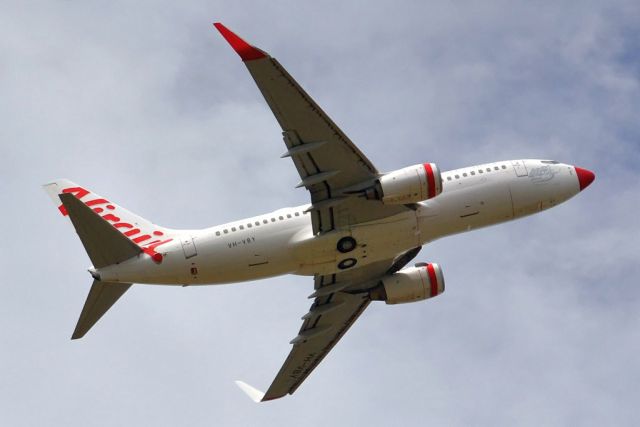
431	180
432	280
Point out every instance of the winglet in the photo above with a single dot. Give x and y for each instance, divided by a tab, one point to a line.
242	48
255	394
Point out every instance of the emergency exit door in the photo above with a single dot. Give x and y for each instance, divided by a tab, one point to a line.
519	167
189	247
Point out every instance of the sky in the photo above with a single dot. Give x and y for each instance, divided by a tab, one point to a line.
144	102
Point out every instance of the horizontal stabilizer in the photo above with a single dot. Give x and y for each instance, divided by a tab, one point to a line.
104	244
253	393
100	299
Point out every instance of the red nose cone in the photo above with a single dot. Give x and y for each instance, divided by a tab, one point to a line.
585	177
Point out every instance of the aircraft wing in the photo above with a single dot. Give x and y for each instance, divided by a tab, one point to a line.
335	172
335	308
339	300
330	166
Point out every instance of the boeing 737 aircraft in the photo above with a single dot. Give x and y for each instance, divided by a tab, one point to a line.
356	237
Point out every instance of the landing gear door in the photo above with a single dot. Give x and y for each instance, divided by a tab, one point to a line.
519	167
188	246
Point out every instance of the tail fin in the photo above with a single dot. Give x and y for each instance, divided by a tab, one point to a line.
141	232
104	244
110	235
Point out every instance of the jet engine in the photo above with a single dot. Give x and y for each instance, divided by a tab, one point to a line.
408	185
410	284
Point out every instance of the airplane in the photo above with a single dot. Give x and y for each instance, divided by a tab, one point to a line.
356	237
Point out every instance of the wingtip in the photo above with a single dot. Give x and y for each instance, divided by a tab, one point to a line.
253	393
77	334
242	48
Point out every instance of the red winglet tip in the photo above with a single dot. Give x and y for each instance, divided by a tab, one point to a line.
242	48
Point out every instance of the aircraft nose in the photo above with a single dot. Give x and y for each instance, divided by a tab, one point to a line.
585	177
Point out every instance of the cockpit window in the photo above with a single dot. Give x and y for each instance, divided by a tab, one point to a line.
550	162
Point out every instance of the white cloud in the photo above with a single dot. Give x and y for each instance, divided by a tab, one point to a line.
148	105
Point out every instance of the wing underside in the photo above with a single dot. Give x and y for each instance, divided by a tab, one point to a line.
339	300
330	165
336	173
318	335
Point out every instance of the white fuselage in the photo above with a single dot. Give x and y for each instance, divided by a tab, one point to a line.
282	242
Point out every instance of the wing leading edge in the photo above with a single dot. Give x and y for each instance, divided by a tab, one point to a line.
339	300
334	171
330	165
318	335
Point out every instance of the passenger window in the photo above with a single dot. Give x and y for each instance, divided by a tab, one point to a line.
480	171
264	221
457	176
488	169
226	231
273	220
288	215
504	167
249	225
297	213
473	173
464	174
448	178
242	227
280	217
496	168
233	229
217	233
257	223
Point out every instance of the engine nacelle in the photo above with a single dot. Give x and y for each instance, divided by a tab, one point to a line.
411	184
410	284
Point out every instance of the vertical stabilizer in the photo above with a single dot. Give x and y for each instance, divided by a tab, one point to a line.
98	203
144	234
110	235
104	244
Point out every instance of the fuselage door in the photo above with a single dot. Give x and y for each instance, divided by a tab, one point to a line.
519	167
188	246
